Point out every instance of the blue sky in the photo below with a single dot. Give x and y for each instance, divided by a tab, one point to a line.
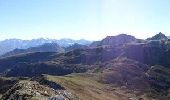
88	19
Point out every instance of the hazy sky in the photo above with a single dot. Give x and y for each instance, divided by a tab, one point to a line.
88	19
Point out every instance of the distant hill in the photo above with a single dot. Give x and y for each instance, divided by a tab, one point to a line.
159	36
11	44
47	47
75	46
114	40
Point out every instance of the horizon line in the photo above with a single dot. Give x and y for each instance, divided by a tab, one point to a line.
49	38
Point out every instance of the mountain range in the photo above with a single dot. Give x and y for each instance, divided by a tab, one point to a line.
11	44
47	47
120	67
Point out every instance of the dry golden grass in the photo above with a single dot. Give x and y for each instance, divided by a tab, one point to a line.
86	87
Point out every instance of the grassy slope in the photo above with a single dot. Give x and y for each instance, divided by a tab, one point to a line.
87	87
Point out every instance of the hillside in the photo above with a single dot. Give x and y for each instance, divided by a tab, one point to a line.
115	77
122	78
78	60
85	87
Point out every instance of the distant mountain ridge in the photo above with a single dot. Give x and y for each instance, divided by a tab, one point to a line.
47	47
114	40
11	44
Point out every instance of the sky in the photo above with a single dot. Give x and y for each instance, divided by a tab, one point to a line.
87	19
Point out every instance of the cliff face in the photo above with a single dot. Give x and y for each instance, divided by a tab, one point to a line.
149	54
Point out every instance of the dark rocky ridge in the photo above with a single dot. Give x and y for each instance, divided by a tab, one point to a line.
159	36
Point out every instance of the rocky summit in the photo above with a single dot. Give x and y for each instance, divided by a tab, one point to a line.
32	90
